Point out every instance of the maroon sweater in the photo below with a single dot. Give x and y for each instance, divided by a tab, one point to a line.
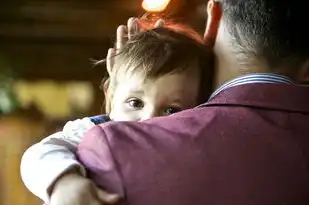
248	146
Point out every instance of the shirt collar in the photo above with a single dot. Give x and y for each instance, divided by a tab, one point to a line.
253	78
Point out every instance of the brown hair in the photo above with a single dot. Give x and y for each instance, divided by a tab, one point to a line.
156	52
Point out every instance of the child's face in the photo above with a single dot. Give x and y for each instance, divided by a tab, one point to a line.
138	99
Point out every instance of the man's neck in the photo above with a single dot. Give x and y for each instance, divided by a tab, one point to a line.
227	66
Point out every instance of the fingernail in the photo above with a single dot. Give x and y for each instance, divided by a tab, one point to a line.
113	197
135	24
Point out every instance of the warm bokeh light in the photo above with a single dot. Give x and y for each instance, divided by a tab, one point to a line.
155	5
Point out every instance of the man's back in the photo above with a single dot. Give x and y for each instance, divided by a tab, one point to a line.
248	145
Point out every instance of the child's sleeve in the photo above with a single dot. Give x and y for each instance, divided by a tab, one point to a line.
45	161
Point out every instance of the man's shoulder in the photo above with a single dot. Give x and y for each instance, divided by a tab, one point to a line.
185	123
237	111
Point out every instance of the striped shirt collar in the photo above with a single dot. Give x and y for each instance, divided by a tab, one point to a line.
253	78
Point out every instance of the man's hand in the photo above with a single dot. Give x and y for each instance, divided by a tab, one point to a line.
73	189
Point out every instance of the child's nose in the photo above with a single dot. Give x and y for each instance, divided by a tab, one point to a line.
150	113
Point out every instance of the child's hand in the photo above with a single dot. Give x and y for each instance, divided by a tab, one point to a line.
124	33
75	189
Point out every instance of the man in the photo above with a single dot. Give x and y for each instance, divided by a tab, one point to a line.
247	145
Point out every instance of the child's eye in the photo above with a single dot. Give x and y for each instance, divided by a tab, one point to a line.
135	103
172	110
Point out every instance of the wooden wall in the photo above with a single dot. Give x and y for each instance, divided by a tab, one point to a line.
55	39
17	133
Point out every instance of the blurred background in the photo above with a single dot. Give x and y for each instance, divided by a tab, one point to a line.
46	74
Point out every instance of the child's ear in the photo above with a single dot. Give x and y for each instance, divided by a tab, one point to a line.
105	91
105	87
107	97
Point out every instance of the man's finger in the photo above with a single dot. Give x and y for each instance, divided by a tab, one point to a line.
159	23
107	198
121	37
110	60
133	27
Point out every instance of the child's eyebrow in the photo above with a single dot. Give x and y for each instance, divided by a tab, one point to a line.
136	91
179	101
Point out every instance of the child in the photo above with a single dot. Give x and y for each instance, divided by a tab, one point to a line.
157	72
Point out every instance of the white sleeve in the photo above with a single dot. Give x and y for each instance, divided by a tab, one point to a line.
45	161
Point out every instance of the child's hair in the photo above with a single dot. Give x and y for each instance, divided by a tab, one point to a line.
156	52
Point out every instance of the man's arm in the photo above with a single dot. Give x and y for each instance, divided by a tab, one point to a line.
95	153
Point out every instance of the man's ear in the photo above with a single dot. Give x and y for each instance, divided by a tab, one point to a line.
303	75
214	14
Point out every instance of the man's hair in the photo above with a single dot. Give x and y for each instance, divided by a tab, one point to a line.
156	52
273	31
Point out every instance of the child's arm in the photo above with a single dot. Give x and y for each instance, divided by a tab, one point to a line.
43	163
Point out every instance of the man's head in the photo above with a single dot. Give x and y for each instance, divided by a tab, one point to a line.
158	72
258	36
